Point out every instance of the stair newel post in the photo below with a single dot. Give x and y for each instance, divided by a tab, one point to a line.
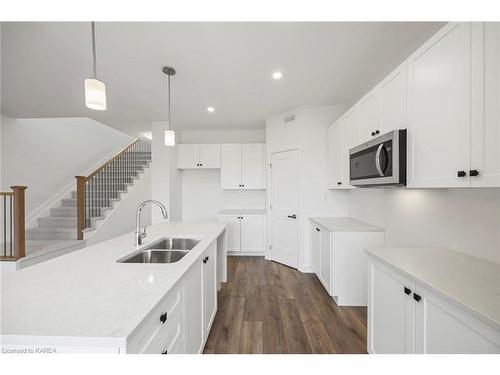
18	222
80	206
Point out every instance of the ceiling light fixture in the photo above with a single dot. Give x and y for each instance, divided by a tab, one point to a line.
277	75
169	133
210	109
95	90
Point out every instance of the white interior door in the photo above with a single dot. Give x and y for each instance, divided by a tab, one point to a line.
284	207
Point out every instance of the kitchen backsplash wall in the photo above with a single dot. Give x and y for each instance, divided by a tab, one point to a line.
466	220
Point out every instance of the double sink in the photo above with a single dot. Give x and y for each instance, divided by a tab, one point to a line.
165	250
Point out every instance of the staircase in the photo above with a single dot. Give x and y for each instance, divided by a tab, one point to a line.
79	215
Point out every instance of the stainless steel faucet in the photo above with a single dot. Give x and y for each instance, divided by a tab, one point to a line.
138	234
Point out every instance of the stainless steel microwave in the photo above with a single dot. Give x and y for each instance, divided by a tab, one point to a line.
380	161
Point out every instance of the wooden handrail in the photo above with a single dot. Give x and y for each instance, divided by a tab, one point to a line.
111	160
17	224
95	191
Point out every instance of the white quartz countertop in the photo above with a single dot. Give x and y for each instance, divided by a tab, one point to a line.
471	282
344	224
235	211
87	294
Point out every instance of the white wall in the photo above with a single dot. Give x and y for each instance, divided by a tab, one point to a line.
166	179
309	134
47	154
202	196
466	220
122	218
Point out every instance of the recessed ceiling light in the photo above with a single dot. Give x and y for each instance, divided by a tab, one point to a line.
210	109
277	75
148	135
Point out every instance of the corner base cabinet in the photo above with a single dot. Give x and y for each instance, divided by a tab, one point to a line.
339	259
406	317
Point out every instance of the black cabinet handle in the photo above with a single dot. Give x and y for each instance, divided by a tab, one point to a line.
163	318
317	229
339	183
292	216
407	291
474	173
373	134
165	352
377	132
208	258
243	185
416	297
461	174
239	185
205	261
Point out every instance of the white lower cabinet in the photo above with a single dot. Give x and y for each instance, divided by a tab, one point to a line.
407	317
182	321
339	261
245	233
193	309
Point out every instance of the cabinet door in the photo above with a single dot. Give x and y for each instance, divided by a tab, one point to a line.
439	109
325	259
230	166
485	131
368	116
233	231
390	311
188	156
252	166
210	156
393	101
252	232
315	249
335	155
349	140
443	328
209	287
193	309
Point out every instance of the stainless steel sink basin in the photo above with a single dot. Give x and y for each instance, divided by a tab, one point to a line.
165	250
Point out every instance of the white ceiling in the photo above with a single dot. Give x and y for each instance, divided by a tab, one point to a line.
224	65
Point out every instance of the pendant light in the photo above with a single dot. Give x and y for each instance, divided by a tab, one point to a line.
95	90
169	133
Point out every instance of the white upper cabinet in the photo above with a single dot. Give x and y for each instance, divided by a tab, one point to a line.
243	166
485	129
198	156
335	155
350	139
392	93
368	116
439	109
252	166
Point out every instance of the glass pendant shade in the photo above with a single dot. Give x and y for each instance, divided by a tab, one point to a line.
169	138
95	94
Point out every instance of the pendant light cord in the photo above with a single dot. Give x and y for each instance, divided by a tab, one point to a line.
94	65
169	110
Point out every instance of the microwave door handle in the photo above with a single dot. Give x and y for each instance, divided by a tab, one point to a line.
377	160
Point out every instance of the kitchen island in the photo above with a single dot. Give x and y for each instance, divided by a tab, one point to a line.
86	301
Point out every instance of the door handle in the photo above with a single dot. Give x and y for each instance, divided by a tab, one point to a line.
377	160
292	216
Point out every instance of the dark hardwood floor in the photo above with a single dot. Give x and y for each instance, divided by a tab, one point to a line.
266	307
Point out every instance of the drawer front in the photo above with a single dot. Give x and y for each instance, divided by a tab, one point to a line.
165	340
152	325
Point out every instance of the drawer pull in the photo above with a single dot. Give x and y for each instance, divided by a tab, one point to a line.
407	291
165	352
163	317
416	297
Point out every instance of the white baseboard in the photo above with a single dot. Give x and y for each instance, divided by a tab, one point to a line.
247	253
305	268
